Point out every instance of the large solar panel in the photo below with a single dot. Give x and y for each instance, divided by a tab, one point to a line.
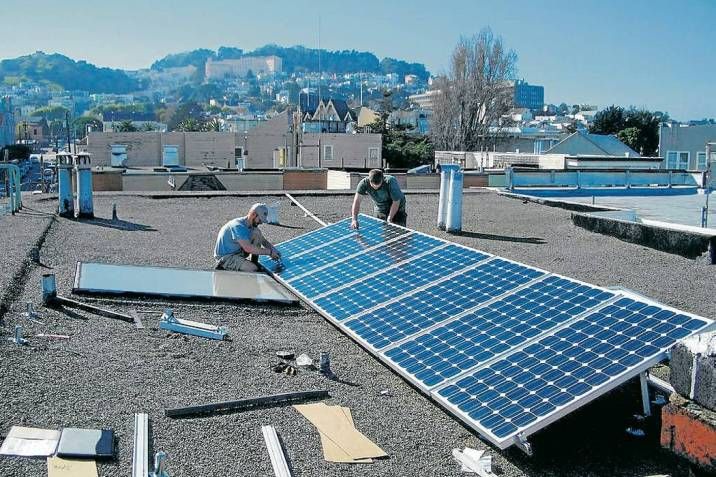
505	347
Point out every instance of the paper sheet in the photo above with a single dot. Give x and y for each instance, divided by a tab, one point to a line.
30	442
59	467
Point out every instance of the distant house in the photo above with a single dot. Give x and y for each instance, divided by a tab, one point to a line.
32	130
586	144
416	120
684	147
324	115
366	117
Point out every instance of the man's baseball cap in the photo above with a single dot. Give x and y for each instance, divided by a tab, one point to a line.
261	210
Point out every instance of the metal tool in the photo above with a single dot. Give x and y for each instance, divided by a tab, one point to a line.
31	314
18	339
159	459
195	328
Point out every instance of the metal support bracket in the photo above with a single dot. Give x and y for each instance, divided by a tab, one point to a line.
18	339
523	444
643	381
140	455
195	328
159	459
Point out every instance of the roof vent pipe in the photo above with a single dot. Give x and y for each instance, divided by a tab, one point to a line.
454	208
445	170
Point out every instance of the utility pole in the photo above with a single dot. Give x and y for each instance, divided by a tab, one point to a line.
67	124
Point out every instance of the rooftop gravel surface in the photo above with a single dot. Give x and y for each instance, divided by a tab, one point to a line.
108	370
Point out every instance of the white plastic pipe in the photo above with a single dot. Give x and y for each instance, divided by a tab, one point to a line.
445	170
454	209
64	188
85	203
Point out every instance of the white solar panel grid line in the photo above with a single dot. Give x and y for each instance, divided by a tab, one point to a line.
583	399
344	233
369	248
317	233
372	275
445	362
465	312
387	282
419	289
490	257
522	346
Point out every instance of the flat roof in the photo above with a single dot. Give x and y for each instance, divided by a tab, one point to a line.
108	370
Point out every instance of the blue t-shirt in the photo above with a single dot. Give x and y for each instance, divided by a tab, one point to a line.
233	230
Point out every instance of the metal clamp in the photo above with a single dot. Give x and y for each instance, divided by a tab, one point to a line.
523	444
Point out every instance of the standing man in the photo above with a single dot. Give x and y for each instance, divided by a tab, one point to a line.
389	200
241	237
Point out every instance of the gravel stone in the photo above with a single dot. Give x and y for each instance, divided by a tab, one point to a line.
108	370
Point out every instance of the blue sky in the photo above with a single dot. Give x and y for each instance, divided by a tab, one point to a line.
653	53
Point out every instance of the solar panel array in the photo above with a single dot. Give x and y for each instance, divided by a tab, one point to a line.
505	347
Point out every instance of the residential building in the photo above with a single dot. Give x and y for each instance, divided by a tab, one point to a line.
274	144
366	117
684	147
424	100
7	122
324	115
526	95
586	144
32	130
238	68
416	120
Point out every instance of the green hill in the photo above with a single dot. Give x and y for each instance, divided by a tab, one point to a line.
56	69
301	59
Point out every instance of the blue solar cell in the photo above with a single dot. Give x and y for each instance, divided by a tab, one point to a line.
315	237
394	282
363	265
395	321
566	365
494	329
371	232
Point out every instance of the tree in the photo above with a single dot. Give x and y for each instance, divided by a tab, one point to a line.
470	100
608	121
82	124
637	128
51	113
126	126
563	109
189	125
212	125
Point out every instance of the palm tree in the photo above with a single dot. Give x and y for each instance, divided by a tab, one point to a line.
126	126
189	125
212	125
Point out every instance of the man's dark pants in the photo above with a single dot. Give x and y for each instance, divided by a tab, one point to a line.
400	218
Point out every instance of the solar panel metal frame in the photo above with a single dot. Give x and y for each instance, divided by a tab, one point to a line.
432	391
597	392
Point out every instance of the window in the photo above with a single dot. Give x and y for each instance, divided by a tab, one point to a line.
373	153
328	153
677	160
701	161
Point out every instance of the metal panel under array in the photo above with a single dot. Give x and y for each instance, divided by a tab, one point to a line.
107	278
505	347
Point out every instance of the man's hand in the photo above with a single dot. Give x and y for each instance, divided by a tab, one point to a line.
275	254
389	220
354	224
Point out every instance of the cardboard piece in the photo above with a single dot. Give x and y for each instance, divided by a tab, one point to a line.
59	467
333	453
30	442
335	426
86	443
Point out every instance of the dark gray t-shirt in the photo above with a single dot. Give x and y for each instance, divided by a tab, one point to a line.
384	196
